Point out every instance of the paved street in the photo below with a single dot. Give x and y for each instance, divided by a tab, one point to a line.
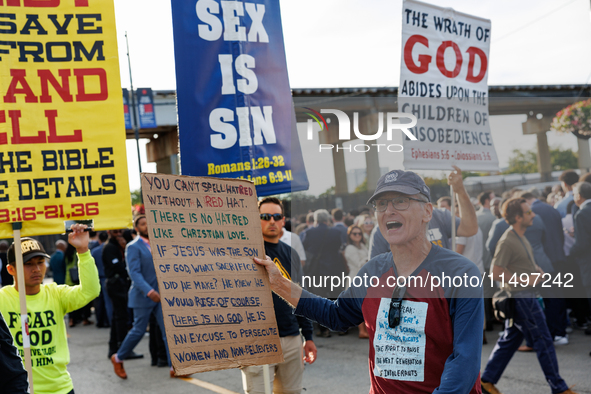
341	368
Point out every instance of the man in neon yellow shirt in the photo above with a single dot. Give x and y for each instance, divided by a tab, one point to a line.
46	307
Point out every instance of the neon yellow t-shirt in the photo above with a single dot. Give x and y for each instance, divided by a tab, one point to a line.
46	310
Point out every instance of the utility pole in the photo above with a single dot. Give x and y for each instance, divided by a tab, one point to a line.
135	117
134	108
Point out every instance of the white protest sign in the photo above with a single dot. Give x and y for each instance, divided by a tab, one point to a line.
400	351
443	83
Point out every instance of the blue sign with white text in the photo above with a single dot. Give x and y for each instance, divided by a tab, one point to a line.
126	109
235	113
145	103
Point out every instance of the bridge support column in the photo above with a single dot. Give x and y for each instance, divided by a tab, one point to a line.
544	162
539	127
331	136
372	162
340	172
584	156
164	152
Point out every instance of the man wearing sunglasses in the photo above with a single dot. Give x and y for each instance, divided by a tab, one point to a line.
423	338
286	377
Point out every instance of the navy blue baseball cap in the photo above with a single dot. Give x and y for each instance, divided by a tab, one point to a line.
405	182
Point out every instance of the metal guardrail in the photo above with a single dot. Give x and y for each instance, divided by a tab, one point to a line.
474	186
501	183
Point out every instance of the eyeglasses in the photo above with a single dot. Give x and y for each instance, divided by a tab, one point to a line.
267	216
528	212
399	203
395	312
356	233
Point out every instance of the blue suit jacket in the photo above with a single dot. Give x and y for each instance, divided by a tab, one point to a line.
323	244
497	230
582	247
535	234
562	204
581	250
554	243
141	271
343	230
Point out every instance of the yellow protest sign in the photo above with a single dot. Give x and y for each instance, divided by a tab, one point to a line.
62	134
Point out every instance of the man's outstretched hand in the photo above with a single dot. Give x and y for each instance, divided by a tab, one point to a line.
275	276
283	287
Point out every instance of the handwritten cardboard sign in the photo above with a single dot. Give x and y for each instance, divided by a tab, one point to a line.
217	304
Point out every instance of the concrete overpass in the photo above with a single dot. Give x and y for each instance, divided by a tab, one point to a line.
539	102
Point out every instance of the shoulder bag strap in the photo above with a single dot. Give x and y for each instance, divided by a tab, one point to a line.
525	247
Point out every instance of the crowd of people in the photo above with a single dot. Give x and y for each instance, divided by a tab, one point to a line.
400	233
554	223
551	236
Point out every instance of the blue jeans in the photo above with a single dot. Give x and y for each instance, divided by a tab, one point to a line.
141	319
530	322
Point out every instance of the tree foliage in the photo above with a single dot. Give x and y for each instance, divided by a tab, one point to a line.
525	162
466	174
442	181
329	192
362	187
136	197
563	159
522	162
430	181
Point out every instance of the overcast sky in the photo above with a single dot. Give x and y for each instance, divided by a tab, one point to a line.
356	43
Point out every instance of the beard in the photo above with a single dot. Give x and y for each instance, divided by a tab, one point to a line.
145	235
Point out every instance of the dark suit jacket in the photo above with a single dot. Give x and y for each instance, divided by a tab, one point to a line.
582	246
7	279
554	242
343	230
12	374
581	250
114	260
322	244
497	230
